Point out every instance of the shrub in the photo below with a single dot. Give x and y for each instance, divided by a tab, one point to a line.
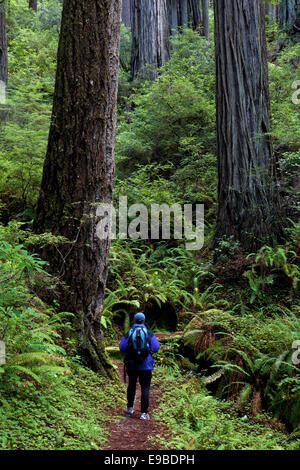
30	329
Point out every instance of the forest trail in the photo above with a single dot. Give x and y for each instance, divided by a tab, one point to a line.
129	432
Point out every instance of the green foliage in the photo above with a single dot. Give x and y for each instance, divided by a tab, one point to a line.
255	351
268	264
226	248
29	329
283	72
124	70
199	421
166	135
71	413
165	153
47	401
138	279
19	15
148	184
32	49
150	276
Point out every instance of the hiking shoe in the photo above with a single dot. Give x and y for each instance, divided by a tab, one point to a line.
129	411
145	416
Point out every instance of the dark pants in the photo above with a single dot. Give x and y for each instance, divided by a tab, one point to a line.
144	377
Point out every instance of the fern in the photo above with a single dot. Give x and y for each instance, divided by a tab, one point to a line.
269	262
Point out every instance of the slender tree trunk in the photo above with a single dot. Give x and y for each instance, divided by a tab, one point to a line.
3	62
272	12
205	14
173	16
126	13
297	22
3	45
79	167
33	4
184	13
275	12
249	208
150	35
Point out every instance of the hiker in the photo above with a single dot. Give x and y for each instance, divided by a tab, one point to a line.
139	344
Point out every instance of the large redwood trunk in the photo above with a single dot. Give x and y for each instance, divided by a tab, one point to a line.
150	36
287	13
249	208
79	167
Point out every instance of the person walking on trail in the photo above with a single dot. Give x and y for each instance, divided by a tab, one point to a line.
139	344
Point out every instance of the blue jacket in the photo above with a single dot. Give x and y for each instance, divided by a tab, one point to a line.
148	362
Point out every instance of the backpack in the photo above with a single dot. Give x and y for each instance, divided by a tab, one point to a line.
138	346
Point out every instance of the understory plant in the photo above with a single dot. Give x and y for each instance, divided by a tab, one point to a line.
202	422
253	353
30	330
269	263
146	275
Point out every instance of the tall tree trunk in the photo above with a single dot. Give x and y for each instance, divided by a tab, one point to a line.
297	23
3	45
195	12
275	12
272	12
126	13
287	13
173	16
3	61
150	35
79	167
33	4
249	208
183	13
205	15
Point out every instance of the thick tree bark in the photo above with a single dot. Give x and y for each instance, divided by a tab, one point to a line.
249	208
184	13
287	13
126	13
79	167
150	35
173	16
3	45
205	15
33	4
195	13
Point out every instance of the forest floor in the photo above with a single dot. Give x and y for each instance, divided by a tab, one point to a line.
130	432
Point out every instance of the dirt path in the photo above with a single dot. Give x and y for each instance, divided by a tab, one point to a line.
131	433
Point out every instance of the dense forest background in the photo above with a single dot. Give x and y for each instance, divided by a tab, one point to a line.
230	374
